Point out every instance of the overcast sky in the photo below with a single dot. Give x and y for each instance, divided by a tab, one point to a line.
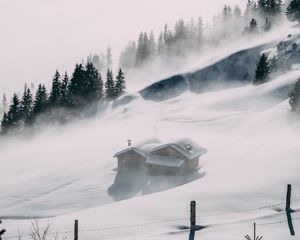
40	36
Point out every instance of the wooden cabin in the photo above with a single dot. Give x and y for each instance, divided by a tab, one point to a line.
176	158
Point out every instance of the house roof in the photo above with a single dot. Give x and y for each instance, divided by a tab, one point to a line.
142	148
186	147
137	150
166	161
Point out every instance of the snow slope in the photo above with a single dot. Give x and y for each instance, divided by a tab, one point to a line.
253	152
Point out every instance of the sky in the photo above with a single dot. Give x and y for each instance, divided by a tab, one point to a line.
40	36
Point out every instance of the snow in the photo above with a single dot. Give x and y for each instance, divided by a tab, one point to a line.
253	153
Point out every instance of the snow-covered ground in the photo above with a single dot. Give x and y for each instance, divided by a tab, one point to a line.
253	148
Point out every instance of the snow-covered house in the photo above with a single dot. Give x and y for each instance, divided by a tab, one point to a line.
175	158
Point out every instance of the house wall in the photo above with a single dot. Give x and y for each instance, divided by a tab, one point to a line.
131	160
169	151
162	170
191	165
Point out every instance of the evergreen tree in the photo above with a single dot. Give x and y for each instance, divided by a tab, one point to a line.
199	33
55	95
26	104
237	12
120	83
93	90
109	61
151	45
160	45
77	86
270	8
128	56
4	103
109	85
141	50
253	26
263	69
293	10
5	124
41	100
294	97
64	100
12	120
268	25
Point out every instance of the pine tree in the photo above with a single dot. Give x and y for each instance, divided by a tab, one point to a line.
294	98
64	100
93	90
109	61
40	101
152	45
237	12
77	85
268	25
270	8
253	26
26	104
263	69
140	52
55	95
4	103
128	56
293	11
160	45
5	124
199	33
109	85
120	83
12	120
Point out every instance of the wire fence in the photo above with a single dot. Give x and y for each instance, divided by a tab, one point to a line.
174	220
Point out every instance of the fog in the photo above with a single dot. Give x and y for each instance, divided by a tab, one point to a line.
38	37
64	172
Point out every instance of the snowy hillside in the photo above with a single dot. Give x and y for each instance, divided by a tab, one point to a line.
253	153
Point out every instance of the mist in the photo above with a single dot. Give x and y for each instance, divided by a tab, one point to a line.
64	172
40	37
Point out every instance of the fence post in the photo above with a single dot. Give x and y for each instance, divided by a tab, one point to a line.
254	238
193	214
2	231
288	198
288	209
76	230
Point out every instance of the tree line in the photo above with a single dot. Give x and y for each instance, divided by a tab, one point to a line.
192	36
84	88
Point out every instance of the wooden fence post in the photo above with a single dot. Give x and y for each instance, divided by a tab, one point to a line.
192	220
288	198
288	209
254	238
193	213
76	230
2	231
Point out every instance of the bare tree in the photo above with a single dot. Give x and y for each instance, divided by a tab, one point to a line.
39	232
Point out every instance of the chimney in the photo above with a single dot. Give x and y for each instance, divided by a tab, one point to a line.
129	143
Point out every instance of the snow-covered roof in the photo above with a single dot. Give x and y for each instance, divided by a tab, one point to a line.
166	161
137	150
143	148
186	147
